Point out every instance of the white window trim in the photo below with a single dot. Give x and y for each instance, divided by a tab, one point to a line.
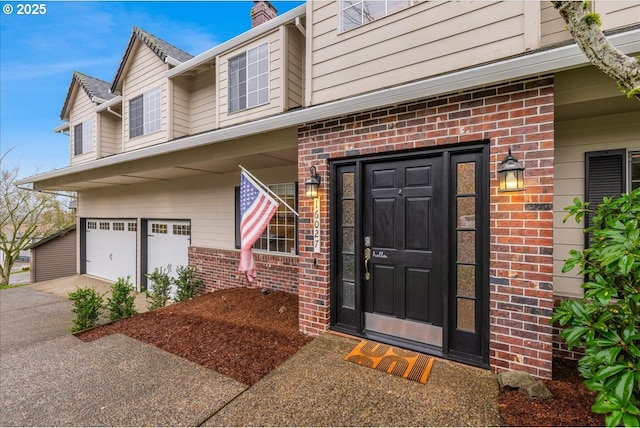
87	138
342	8
151	112
248	77
630	161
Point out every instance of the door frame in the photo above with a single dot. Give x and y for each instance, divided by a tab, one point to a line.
356	165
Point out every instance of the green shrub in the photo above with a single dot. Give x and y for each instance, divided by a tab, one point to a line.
159	288
87	305
606	321
186	283
121	303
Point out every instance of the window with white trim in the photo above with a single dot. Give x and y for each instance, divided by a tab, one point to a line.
634	170
145	113
355	13
83	137
281	236
249	79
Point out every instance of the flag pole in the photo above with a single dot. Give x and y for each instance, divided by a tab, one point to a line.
265	187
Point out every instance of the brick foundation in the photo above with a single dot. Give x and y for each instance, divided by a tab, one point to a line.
517	114
218	269
560	348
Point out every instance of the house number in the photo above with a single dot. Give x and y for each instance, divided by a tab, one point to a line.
316	225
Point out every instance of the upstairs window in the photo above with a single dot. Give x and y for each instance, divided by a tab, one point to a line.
249	79
354	13
144	113
83	137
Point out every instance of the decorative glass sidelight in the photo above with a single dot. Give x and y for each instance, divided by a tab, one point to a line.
466	233
348	240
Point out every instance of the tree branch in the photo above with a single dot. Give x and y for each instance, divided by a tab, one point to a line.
585	29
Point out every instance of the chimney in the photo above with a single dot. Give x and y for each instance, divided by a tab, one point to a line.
261	12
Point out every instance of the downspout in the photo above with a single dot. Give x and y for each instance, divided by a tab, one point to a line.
300	27
114	112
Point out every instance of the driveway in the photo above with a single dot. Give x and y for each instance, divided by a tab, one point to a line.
48	377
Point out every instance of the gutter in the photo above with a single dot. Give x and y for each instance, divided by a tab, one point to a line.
284	19
110	103
542	62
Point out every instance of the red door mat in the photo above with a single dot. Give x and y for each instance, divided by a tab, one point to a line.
389	359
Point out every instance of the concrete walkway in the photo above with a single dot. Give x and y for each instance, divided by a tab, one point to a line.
48	377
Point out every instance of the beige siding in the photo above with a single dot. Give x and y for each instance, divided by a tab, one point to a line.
145	71
54	259
295	67
203	102
552	25
206	200
181	108
616	14
275	104
608	124
429	38
82	109
110	134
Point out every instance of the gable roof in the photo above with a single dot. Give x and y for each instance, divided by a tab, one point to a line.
52	236
161	48
97	90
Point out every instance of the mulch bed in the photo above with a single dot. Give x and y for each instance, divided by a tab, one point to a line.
244	335
237	332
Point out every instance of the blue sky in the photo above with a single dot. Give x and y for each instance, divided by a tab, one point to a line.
38	55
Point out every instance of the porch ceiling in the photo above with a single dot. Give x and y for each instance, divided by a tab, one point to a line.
219	159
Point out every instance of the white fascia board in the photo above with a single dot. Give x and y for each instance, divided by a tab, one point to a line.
62	128
245	37
110	103
527	65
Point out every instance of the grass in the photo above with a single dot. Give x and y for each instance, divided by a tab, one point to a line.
6	287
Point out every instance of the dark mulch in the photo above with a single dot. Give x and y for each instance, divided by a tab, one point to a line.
570	406
238	332
244	335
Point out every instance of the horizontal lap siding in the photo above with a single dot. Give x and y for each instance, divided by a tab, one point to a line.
207	200
429	38
54	259
275	104
181	107
295	70
83	109
144	72
203	102
552	26
110	134
573	139
616	14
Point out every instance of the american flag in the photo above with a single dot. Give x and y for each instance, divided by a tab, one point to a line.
256	210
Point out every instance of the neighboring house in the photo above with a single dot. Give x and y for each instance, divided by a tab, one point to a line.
54	256
406	110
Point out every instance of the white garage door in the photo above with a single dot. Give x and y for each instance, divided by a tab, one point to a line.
111	248
167	244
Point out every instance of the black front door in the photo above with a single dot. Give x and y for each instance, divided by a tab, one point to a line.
410	251
402	244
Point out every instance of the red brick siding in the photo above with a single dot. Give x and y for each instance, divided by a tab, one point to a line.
560	348
218	269
517	114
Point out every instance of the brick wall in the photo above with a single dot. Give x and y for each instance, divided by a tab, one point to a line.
517	114
218	269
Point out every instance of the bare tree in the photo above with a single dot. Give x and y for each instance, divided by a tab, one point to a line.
585	29
25	215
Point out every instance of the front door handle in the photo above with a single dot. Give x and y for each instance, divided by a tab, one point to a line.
367	257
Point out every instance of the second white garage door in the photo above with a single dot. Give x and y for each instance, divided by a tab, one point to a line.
168	244
111	248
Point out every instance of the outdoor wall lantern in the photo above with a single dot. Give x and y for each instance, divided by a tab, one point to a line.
312	184
511	174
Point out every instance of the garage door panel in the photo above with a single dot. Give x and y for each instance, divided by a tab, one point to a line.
111	249
167	245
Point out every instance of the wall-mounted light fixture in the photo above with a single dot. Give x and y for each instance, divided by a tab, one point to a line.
511	174
312	184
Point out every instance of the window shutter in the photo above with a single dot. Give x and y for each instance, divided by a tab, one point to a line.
604	177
